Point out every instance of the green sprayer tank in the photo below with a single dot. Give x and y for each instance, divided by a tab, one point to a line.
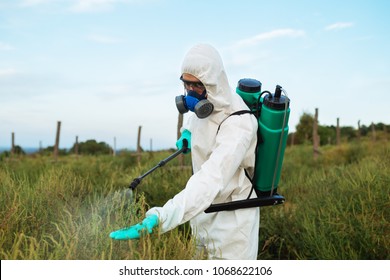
272	111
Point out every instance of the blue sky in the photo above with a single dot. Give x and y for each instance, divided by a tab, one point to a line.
105	67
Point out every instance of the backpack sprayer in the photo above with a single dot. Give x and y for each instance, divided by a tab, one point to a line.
272	112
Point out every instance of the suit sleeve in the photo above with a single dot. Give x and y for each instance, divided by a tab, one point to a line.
232	143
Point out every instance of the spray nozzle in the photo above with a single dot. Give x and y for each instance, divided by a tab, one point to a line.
278	91
276	101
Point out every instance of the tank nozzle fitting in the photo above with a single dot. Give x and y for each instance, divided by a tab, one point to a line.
278	91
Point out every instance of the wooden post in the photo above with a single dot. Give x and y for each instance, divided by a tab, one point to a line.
151	144
292	138
139	144
76	146
358	131
338	132
12	144
114	150
57	143
316	142
373	136
179	125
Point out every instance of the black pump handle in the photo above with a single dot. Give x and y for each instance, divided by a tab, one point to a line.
278	91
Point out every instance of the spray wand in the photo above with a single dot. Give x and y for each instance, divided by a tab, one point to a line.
138	180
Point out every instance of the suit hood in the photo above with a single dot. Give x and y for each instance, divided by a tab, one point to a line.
204	62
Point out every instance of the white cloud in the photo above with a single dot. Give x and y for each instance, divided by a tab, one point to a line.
278	33
81	6
5	47
76	5
7	72
245	51
29	3
102	39
339	25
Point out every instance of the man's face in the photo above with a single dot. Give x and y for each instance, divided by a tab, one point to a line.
192	83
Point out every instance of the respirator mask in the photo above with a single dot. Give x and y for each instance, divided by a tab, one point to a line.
193	101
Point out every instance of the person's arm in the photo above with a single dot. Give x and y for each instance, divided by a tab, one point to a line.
232	143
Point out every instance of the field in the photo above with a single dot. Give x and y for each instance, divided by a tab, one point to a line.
337	207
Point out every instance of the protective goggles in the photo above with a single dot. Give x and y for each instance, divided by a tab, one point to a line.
191	84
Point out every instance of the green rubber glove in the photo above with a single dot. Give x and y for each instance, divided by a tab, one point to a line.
136	231
185	135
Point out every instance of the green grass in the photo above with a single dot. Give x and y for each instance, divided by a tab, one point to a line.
336	207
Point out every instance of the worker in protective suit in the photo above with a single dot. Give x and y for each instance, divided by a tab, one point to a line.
222	148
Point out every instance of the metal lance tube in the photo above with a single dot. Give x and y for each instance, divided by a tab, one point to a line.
138	180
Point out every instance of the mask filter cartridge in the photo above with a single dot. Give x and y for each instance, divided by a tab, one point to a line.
194	102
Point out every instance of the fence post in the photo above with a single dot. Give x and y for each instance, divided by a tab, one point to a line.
338	132
114	150
57	143
76	146
358	131
12	144
292	139
373	132
139	145
316	138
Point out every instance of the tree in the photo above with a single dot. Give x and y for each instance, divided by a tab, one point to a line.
304	129
327	134
364	130
49	150
348	132
91	147
18	150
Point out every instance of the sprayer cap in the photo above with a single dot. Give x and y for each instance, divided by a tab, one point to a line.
249	85
276	103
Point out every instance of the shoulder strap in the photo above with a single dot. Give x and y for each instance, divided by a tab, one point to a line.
241	112
237	113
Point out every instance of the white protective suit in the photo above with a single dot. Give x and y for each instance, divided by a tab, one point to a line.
218	160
